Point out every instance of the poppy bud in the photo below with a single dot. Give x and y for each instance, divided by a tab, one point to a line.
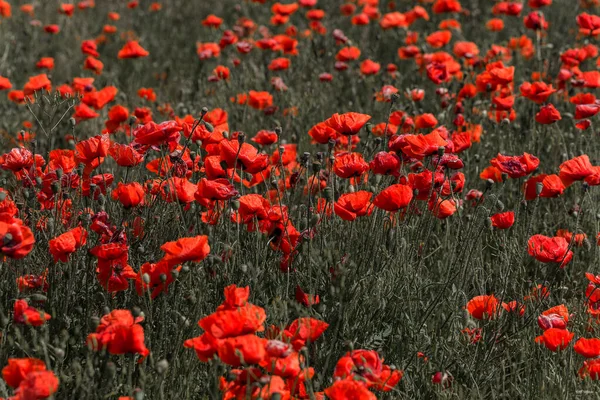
162	366
208	126
146	279
226	135
38	297
26	193
204	111
351	189
369	128
132	120
244	268
72	121
441	150
328	193
331	144
394	97
274	183
59	353
278	130
539	186
138	394
235	205
241	137
163	278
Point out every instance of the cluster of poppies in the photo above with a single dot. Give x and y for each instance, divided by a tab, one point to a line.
277	363
408	164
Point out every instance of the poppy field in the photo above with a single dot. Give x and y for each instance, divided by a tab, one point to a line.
319	199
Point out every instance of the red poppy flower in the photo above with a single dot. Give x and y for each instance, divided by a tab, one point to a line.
61	247
349	123
303	330
92	151
242	350
575	169
348	54
230	321
93	64
253	206
5	83
588	24
16	239
23	313
537	92
503	220
212	21
155	277
279	64
45	63
349	165
420	146
245	156
548	115
119	333
194	249
516	166
349	389
129	194
17	159
90	48
550	185
535	21
125	155
550	249
385	163
555	339
369	67
322	133
306	299
352	205
153	134
394	198
37	385
176	188
113	271
37	83
483	307
259	100
589	348
555	317
18	369
591	368
132	49
100	98
265	137
439	39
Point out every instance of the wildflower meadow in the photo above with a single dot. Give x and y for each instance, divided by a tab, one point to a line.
319	199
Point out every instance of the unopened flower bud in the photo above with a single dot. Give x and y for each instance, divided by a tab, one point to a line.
538	188
162	366
146	279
